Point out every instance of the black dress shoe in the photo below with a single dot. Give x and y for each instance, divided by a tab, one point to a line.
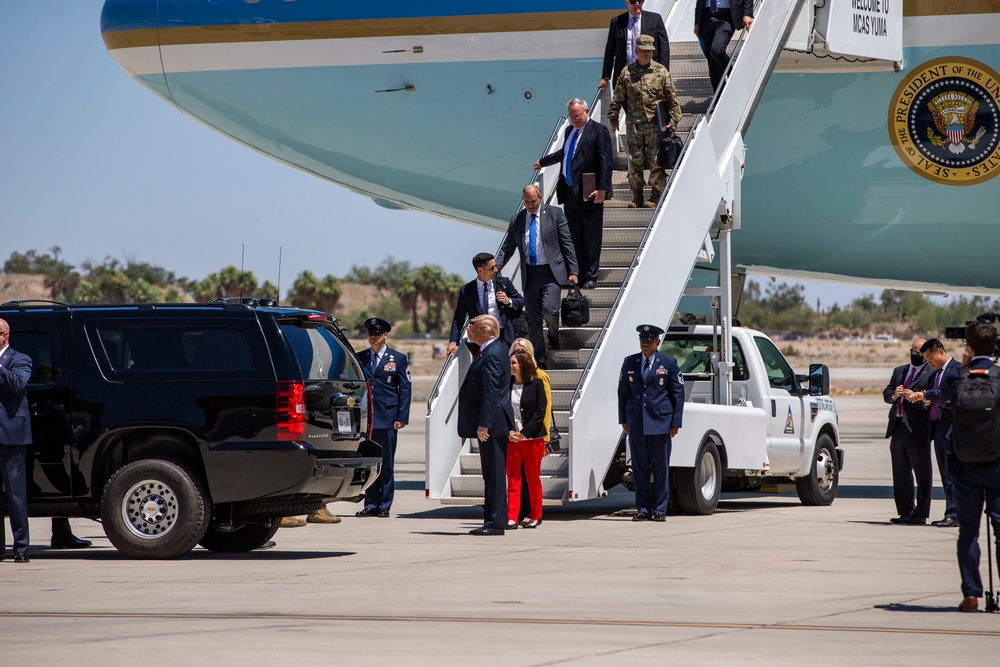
590	284
897	519
528	523
68	541
641	516
368	511
383	514
913	521
659	517
486	530
947	522
21	558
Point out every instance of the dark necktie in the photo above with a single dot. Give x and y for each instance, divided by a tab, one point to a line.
713	6
569	156
906	385
374	362
937	384
645	370
486	299
533	240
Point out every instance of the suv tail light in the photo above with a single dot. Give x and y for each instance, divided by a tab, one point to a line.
291	411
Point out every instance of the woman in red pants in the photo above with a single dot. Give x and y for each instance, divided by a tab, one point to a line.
526	443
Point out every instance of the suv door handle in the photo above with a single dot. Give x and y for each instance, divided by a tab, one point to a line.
45	409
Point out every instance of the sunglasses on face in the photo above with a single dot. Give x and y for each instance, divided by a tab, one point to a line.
635	2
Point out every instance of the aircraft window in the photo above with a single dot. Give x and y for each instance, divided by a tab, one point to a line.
779	374
694	356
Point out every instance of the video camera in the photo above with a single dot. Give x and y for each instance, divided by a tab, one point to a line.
958	333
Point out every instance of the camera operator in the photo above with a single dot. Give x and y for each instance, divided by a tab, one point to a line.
945	370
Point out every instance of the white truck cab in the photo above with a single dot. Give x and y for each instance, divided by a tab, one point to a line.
770	425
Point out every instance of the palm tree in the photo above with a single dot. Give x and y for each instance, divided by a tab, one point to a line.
409	296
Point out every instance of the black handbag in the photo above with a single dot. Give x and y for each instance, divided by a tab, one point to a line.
575	308
670	149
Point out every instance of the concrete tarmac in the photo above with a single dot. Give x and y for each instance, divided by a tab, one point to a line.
764	581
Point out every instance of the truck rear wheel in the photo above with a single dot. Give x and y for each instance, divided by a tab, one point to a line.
698	488
819	486
240	537
155	508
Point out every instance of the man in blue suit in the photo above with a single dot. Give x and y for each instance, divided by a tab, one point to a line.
15	436
488	294
586	150
945	372
548	261
389	374
485	413
650	410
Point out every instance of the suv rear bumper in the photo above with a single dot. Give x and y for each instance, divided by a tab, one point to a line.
249	470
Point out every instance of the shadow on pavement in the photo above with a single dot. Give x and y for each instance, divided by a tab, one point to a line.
105	553
900	606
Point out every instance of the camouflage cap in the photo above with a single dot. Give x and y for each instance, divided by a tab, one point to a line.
645	43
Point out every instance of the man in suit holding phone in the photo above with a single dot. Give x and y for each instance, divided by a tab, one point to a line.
485	413
586	150
548	261
488	294
15	436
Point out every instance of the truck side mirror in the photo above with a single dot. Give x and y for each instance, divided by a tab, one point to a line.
819	380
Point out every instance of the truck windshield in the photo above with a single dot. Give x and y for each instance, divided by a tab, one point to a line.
694	355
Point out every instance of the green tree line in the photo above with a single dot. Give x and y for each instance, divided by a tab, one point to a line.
420	298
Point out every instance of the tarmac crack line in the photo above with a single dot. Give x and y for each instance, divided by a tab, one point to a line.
511	620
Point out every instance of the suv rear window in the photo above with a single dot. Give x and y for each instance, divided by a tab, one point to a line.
319	353
177	349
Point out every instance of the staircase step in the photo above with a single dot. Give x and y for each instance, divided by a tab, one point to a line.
553	487
574	339
619	216
609	278
562	398
616	257
602	297
623	237
565	378
554	465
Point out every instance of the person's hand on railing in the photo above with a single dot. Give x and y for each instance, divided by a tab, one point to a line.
603	84
538	165
450	350
747	21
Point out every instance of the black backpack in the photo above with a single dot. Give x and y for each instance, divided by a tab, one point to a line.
975	410
670	149
575	308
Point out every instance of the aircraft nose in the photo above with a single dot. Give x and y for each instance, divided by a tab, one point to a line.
129	29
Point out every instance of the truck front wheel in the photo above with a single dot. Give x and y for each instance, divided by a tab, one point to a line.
819	486
698	488
155	508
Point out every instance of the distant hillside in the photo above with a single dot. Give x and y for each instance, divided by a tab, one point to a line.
22	286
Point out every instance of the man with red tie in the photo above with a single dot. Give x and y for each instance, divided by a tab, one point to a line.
909	447
945	372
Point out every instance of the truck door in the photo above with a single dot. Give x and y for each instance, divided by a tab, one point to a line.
786	439
46	341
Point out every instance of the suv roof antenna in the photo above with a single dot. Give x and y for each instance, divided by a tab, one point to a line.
243	254
277	297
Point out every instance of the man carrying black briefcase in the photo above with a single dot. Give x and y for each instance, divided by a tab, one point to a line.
575	308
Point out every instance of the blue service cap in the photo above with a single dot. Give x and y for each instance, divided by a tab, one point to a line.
648	331
376	325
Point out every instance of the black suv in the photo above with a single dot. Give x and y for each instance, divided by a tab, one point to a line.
185	424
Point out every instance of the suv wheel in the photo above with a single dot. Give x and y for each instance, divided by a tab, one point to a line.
239	537
154	508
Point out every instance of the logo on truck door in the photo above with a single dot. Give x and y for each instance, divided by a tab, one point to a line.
789	422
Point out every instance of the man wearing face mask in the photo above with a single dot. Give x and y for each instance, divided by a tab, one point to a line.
909	446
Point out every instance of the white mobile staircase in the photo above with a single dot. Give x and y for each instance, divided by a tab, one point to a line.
646	263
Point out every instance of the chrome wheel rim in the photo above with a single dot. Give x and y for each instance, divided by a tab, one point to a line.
707	472
149	509
825	470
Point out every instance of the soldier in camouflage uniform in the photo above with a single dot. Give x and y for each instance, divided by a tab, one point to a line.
640	86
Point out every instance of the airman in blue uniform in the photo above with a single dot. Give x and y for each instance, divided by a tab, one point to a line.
388	371
650	408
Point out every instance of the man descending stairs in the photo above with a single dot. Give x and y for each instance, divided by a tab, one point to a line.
624	229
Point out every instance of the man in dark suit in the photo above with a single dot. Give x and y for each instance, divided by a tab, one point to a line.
975	483
909	447
548	261
15	436
650	410
714	23
485	413
625	30
945	372
586	150
488	294
388	372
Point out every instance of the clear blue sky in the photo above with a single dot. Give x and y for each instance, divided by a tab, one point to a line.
93	162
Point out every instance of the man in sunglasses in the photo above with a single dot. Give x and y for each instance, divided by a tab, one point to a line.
488	294
625	31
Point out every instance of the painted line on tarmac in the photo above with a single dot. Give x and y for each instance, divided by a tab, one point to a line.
484	619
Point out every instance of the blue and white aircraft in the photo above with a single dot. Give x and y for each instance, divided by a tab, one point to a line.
856	173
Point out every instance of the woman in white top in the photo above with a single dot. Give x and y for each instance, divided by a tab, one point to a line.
526	444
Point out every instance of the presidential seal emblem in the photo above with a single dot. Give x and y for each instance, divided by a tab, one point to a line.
944	119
